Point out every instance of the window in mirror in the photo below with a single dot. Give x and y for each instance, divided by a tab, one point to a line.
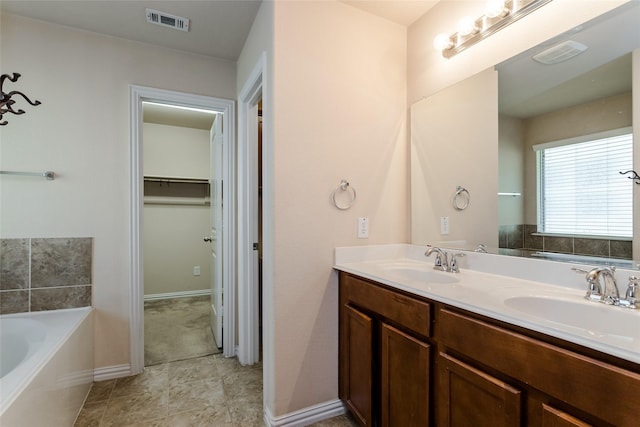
581	190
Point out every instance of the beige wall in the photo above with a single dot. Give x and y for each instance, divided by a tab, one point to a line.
173	245
175	151
81	131
444	156
172	234
511	154
339	85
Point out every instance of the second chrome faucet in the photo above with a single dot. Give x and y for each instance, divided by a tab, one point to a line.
442	261
609	294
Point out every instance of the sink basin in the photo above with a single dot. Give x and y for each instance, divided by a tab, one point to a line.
596	318
421	273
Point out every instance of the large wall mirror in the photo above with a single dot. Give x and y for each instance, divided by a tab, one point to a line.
526	139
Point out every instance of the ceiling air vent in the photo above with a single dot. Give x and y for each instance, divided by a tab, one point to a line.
560	52
167	20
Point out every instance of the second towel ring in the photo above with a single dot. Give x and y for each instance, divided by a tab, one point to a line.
461	199
344	187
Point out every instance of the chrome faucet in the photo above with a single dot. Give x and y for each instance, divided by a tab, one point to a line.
442	260
609	294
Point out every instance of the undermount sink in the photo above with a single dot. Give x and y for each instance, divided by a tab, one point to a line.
596	318
421	273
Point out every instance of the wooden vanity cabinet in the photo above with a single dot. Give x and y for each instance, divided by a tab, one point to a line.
556	386
384	354
408	361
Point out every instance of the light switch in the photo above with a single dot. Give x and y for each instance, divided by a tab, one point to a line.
363	228
444	225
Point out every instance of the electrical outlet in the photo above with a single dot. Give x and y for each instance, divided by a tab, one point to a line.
363	228
196	270
444	225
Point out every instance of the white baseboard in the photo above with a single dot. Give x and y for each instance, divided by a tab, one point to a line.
181	294
111	372
306	416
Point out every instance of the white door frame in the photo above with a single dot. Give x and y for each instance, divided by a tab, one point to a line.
137	94
248	299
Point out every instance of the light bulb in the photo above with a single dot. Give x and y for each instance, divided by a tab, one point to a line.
466	26
495	8
442	41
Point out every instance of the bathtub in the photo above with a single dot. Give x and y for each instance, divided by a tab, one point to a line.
46	366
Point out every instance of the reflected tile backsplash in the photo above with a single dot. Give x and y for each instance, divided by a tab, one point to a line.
45	274
525	237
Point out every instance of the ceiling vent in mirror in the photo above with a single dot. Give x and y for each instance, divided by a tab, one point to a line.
167	20
560	52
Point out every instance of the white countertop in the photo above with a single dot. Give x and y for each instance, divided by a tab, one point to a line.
552	302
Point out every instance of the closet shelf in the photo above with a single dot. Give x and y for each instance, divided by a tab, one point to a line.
184	201
176	179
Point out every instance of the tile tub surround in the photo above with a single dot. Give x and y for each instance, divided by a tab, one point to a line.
45	273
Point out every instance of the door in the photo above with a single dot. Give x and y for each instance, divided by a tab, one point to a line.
356	364
404	379
217	230
470	397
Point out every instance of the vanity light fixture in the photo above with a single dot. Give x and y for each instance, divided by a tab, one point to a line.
7	100
498	14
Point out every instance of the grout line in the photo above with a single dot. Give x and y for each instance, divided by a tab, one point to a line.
29	274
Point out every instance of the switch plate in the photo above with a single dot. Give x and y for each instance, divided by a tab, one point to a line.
444	225
196	270
363	228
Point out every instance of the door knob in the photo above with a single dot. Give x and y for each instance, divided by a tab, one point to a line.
207	239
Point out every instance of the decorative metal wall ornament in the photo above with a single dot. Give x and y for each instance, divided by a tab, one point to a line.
6	102
635	177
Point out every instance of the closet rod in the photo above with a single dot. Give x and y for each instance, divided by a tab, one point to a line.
179	180
46	174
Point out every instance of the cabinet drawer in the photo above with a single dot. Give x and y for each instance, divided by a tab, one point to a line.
408	312
587	384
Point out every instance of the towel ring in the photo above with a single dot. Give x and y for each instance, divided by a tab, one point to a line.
344	187
461	199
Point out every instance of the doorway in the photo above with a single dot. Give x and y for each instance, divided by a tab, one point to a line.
225	112
255	239
177	220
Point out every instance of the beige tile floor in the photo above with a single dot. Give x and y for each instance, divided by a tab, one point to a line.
207	391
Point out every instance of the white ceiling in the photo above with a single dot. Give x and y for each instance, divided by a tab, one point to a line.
218	28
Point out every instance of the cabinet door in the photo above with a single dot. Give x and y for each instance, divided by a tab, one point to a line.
356	359
552	417
470	397
405	379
